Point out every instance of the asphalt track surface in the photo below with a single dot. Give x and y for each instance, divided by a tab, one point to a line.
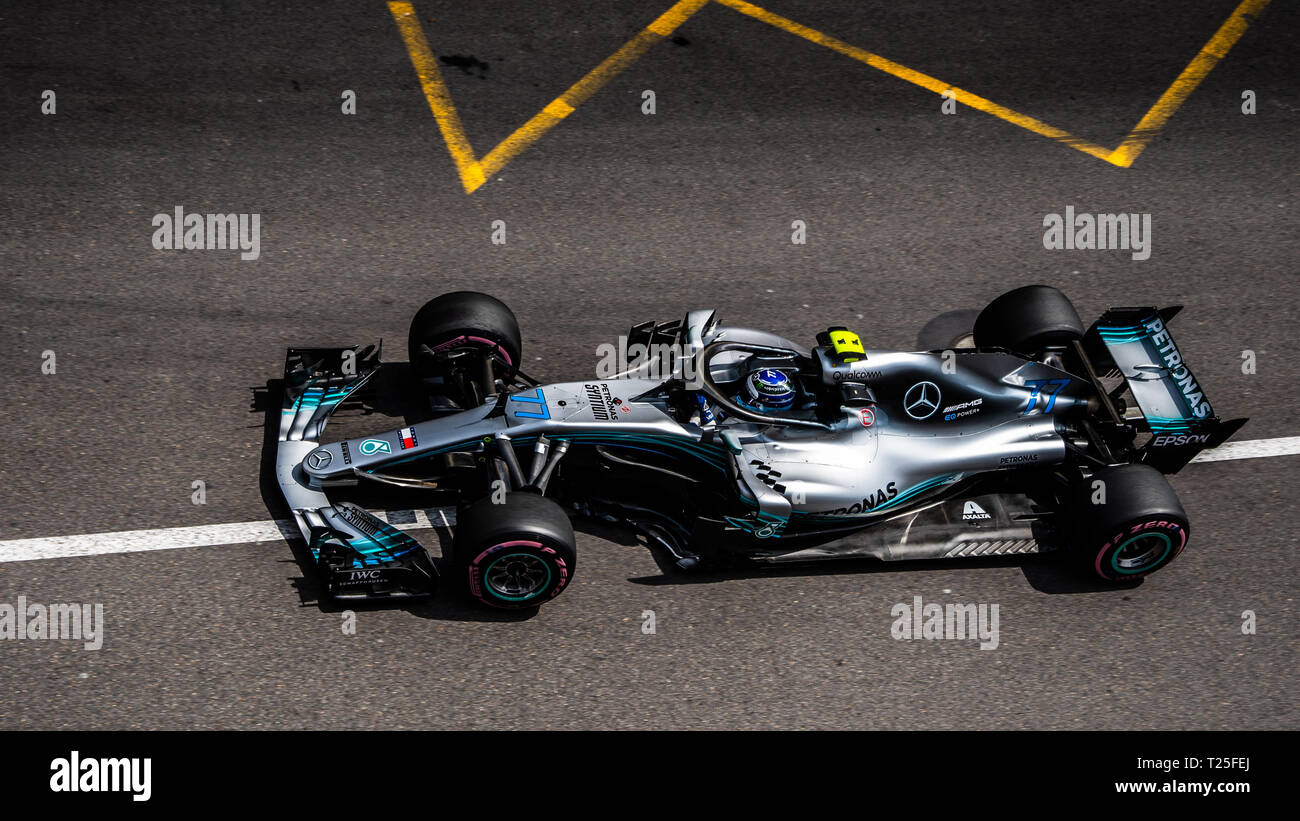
614	216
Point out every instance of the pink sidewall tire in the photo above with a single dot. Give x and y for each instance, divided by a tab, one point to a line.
517	554
1127	522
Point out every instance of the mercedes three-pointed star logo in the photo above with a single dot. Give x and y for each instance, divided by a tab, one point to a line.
319	459
921	400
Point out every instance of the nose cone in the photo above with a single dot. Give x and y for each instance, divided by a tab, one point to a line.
323	461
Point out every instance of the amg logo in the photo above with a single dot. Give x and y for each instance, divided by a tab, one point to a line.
602	402
1177	370
964	409
871	502
1016	460
1180	439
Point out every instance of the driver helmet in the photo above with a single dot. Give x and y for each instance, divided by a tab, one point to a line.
767	389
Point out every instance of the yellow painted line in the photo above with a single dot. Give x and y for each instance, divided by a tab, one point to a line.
559	108
923	80
577	94
474	172
1201	65
435	91
1145	131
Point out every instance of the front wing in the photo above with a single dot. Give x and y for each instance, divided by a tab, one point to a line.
358	555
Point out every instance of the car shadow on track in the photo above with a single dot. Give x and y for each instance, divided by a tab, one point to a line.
1047	573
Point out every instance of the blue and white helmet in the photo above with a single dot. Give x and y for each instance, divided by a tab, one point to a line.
768	389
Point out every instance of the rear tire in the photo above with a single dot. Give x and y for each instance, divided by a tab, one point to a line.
452	334
517	554
948	331
1028	321
1139	529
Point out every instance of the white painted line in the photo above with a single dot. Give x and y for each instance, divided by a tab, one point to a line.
171	538
422	519
1251	449
131	541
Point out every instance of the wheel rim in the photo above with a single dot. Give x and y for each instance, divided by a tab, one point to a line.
1141	552
472	341
463	370
517	576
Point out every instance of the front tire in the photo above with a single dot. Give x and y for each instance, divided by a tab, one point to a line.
517	554
459	341
1140	528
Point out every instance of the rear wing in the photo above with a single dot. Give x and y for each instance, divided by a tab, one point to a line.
1174	410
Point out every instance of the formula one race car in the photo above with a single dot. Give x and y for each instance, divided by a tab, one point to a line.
720	443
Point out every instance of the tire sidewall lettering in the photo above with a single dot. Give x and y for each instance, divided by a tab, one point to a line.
477	565
1175	531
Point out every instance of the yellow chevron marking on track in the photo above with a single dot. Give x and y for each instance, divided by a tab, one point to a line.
474	172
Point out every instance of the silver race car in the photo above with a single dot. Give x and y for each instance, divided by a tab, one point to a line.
720	444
